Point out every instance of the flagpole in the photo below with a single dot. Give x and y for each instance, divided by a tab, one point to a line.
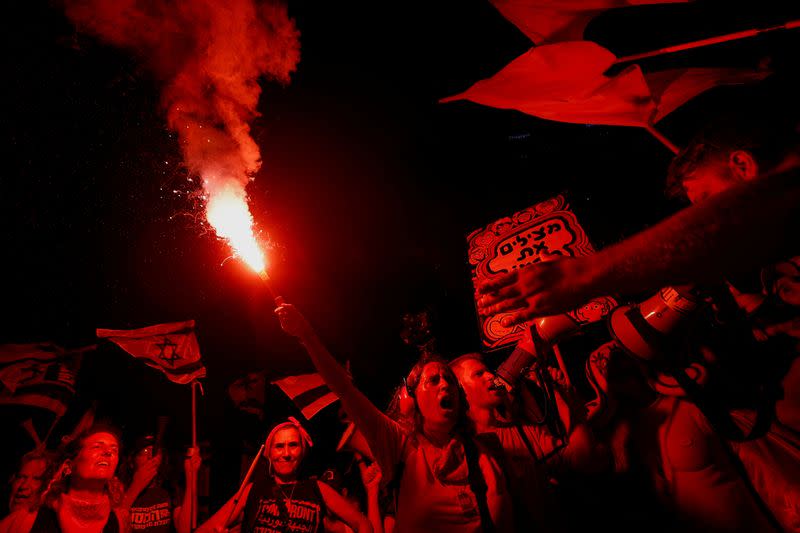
49	431
244	484
194	413
658	135
193	481
706	42
28	426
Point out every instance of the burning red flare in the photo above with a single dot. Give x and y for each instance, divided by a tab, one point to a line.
210	56
228	213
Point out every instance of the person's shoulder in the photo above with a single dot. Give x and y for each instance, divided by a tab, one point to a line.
20	521
688	419
490	443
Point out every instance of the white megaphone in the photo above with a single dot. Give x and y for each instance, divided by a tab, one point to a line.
352	440
644	330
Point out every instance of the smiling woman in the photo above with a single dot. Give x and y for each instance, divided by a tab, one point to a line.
277	498
84	495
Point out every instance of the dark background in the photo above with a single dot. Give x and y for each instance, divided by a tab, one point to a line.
368	188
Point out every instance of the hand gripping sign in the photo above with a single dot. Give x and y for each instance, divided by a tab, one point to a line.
546	231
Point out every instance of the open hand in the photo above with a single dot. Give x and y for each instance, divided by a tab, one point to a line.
370	475
537	290
145	474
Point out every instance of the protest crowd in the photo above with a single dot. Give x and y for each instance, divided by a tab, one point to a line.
677	409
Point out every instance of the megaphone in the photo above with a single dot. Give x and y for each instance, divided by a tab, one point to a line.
353	441
547	331
645	330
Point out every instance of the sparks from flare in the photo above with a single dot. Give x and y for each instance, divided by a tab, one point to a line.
229	215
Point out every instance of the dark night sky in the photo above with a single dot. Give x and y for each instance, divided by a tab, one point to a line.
368	186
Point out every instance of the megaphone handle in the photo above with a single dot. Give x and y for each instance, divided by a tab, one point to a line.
511	369
561	364
542	346
555	423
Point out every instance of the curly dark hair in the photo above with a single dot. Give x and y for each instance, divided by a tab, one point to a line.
766	136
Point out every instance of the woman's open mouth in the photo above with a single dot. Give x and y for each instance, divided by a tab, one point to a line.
446	403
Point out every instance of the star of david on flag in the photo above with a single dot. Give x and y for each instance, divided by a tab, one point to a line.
171	348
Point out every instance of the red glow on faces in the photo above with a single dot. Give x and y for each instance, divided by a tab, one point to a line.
478	384
26	484
98	457
437	395
286	452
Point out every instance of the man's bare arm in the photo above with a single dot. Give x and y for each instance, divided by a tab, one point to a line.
732	232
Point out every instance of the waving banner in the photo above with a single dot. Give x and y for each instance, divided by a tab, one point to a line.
308	392
39	375
171	348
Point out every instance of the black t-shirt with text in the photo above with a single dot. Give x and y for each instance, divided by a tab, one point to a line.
273	508
152	511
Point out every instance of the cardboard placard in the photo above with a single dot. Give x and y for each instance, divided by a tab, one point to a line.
545	231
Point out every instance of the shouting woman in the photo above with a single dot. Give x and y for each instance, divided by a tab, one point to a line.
446	481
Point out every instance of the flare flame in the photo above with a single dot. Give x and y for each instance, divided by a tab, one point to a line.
228	214
209	56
